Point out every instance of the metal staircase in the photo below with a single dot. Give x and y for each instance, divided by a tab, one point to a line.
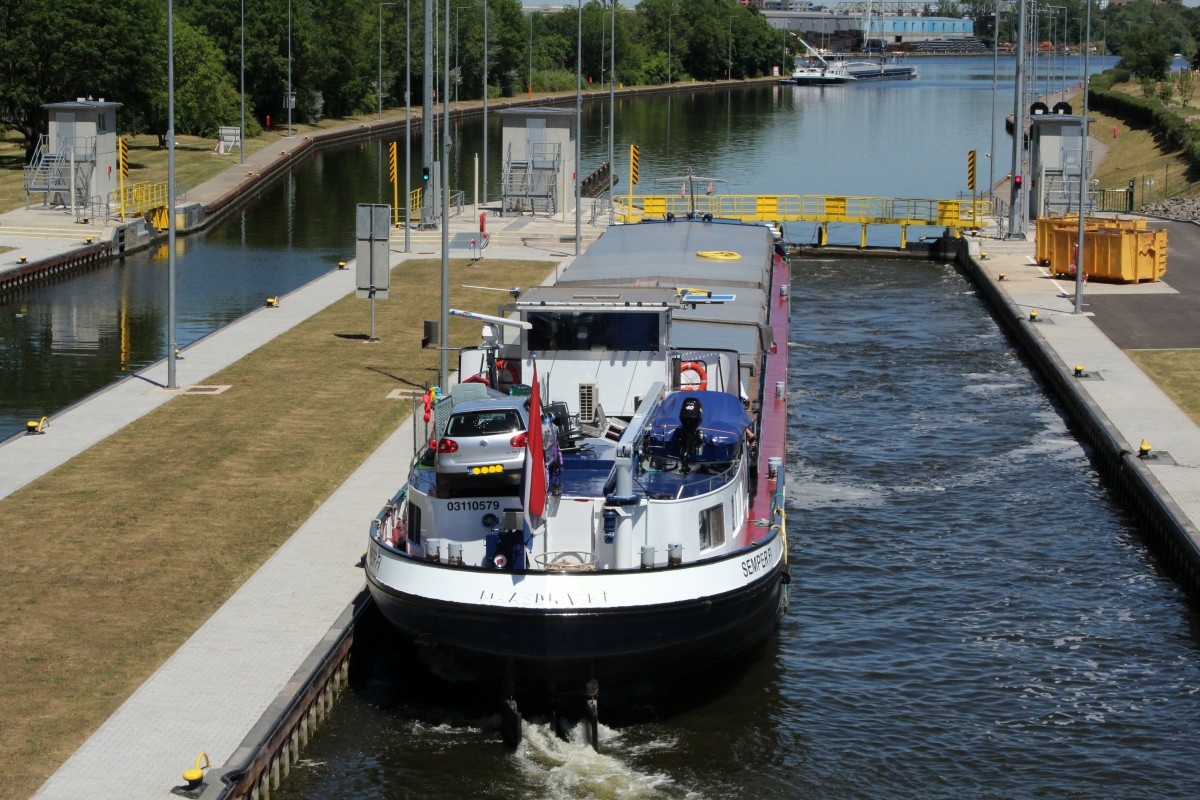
531	185
50	173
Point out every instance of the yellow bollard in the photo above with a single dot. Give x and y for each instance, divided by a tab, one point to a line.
194	777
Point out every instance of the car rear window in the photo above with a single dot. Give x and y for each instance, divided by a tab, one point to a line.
484	423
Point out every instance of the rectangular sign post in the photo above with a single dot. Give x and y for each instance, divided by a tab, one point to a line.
372	270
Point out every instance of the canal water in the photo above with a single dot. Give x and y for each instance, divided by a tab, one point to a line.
971	615
60	342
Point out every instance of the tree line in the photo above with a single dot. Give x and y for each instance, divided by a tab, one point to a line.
58	50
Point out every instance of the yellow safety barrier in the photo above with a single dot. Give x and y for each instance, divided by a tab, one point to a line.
822	209
1113	250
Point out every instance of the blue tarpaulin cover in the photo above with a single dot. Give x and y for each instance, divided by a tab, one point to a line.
723	426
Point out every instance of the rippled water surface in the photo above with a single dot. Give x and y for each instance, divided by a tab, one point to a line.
971	616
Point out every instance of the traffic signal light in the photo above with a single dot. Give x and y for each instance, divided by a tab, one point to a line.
1016	181
425	174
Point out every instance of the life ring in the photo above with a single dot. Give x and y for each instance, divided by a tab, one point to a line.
508	374
698	369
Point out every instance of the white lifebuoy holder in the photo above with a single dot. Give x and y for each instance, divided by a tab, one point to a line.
693	376
507	374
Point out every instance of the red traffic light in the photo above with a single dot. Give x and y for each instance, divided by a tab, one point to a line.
1017	181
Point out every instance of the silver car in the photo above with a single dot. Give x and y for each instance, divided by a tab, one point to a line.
482	450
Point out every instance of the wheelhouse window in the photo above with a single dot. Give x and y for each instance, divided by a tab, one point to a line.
589	330
712	527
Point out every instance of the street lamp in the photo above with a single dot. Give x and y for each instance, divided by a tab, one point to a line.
1083	163
729	62
578	124
457	77
242	132
670	17
485	98
532	14
612	94
379	85
407	126
288	99
171	383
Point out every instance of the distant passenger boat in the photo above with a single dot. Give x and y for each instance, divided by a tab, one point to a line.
815	70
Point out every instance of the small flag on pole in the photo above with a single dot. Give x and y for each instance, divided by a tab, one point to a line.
709	188
682	190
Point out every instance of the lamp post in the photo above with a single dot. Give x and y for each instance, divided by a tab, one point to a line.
1055	56
444	191
729	57
242	131
288	100
457	77
578	123
379	85
1016	220
407	126
1083	164
670	36
171	383
532	14
612	94
995	67
485	98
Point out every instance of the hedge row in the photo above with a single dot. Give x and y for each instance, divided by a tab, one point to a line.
1175	132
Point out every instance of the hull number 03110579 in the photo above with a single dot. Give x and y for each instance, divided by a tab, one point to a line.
473	505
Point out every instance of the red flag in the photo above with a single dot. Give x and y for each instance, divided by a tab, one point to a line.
710	188
681	190
535	460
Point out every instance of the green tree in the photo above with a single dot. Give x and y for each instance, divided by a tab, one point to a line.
57	50
205	97
1145	52
1185	85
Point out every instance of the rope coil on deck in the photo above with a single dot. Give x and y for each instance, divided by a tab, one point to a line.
719	255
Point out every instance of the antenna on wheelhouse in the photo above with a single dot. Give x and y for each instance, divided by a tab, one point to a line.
691	186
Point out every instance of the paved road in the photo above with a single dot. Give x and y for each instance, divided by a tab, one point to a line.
1158	321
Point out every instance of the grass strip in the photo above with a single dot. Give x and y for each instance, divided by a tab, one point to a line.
1177	372
110	562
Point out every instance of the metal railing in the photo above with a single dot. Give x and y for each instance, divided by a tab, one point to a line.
807	208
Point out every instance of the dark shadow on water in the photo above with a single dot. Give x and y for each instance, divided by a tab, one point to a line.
387	673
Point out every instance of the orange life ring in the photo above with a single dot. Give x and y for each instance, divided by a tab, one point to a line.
508	374
698	368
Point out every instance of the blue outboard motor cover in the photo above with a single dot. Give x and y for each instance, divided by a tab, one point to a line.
723	426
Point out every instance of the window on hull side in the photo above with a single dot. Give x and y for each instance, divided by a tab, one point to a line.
712	527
